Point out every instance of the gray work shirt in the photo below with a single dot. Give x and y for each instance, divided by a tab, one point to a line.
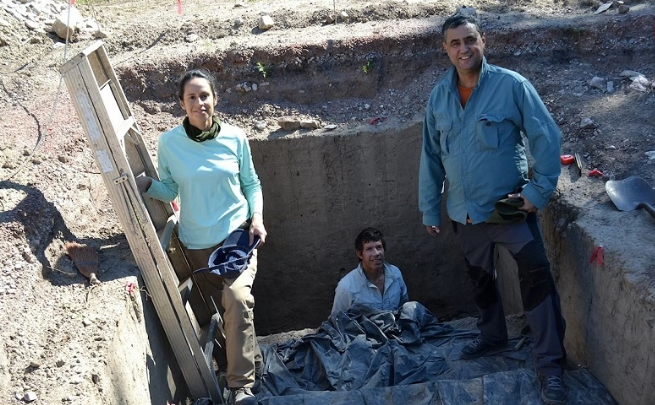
355	288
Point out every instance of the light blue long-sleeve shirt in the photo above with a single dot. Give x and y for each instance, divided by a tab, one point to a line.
215	179
355	288
480	149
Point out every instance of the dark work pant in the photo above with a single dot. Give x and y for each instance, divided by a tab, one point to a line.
541	303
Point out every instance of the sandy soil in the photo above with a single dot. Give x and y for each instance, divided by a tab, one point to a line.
54	333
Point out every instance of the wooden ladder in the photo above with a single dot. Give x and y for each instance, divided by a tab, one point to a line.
149	225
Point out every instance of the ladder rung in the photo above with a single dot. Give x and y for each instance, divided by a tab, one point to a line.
185	289
166	233
125	127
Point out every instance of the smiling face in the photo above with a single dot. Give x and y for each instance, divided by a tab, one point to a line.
372	257
198	101
465	48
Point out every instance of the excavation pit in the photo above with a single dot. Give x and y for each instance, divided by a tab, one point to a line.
322	186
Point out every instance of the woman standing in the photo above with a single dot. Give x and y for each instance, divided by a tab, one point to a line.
208	164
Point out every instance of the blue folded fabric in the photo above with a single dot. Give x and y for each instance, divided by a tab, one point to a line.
232	257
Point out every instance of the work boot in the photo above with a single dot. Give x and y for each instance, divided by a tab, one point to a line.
479	348
553	391
243	396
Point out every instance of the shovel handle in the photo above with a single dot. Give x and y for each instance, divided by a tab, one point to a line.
648	208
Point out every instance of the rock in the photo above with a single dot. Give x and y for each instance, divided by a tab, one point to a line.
343	16
587	123
623	9
603	8
610	86
191	38
598	82
260	125
467	11
330	19
33	25
65	24
330	127
629	73
238	22
306	124
29	396
288	123
639	83
266	23
101	34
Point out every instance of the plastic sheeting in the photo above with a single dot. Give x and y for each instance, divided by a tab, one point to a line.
406	357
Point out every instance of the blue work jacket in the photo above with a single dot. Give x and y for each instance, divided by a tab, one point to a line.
480	149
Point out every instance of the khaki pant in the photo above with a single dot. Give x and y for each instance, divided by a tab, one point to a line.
235	303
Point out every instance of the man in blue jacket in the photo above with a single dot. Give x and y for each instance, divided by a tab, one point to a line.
472	137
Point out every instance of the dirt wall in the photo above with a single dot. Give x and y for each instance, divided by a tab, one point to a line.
319	192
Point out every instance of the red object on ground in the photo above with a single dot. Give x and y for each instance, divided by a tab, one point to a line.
597	255
595	173
130	287
567	159
377	120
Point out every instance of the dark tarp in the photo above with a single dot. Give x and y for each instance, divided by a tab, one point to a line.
406	357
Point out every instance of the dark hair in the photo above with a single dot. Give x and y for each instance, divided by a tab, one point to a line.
369	235
190	74
458	19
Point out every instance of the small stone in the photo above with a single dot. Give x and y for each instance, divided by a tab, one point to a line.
288	123
191	38
623	9
587	123
598	82
466	11
266	23
330	19
29	396
77	380
308	124
238	22
101	33
260	125
35	364
330	127
610	86
60	363
86	322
